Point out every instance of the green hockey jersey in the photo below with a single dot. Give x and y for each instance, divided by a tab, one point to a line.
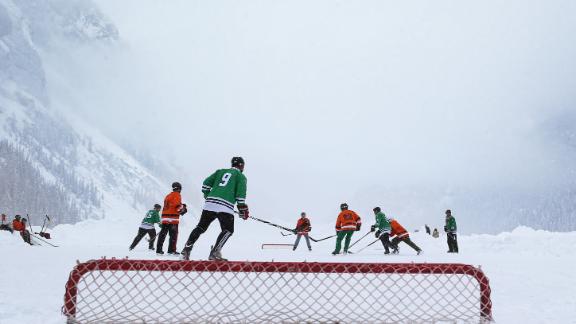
152	217
450	225
223	189
382	223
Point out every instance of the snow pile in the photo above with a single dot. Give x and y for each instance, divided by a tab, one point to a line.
531	272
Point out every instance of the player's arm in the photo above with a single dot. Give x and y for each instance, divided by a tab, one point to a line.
241	186
208	184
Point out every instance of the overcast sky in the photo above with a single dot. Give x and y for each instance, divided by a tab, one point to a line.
326	99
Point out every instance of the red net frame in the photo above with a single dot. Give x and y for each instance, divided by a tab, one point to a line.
152	291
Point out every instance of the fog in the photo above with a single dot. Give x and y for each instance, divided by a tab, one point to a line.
405	105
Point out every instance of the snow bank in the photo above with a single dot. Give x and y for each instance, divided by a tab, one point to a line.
531	272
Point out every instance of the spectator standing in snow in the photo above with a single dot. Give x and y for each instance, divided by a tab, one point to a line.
450	229
147	227
435	233
303	227
427	229
4	226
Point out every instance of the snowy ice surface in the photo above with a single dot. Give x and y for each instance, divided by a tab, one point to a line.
532	273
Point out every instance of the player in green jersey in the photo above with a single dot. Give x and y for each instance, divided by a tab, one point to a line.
222	190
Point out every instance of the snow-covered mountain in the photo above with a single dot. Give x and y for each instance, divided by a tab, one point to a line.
50	162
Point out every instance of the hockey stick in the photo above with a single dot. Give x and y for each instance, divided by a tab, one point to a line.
272	224
283	234
360	239
285	228
42	240
29	223
364	248
322	239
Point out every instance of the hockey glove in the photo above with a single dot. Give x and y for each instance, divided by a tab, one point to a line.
372	228
445	228
183	210
358	226
377	234
243	211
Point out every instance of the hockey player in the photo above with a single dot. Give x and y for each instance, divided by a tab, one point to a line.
383	230
171	213
303	227
222	190
401	235
348	222
147	227
450	229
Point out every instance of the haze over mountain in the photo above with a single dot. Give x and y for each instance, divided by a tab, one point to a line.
51	161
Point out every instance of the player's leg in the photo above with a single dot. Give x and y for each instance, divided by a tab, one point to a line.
298	236
227	229
161	237
455	243
411	244
385	239
173	239
308	242
152	236
347	241
139	236
339	237
206	219
394	245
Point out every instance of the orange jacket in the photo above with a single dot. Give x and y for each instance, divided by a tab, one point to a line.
303	226
17	225
398	230
171	210
347	220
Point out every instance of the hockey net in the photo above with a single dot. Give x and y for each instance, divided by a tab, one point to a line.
151	291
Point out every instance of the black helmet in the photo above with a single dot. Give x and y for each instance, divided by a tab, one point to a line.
176	186
156	206
344	206
17	216
237	161
377	209
448	212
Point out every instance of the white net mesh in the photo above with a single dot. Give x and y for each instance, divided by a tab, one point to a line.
132	291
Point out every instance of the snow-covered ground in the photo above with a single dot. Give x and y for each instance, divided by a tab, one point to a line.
532	273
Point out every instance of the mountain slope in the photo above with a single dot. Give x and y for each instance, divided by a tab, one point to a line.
50	165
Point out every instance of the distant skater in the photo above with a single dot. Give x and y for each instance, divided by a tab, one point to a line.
303	227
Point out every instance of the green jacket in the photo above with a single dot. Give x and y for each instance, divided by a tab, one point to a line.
450	225
152	217
382	222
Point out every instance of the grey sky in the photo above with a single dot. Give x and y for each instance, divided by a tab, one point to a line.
325	99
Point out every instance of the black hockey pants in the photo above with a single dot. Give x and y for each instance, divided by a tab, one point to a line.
226	225
141	233
406	240
452	242
171	229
